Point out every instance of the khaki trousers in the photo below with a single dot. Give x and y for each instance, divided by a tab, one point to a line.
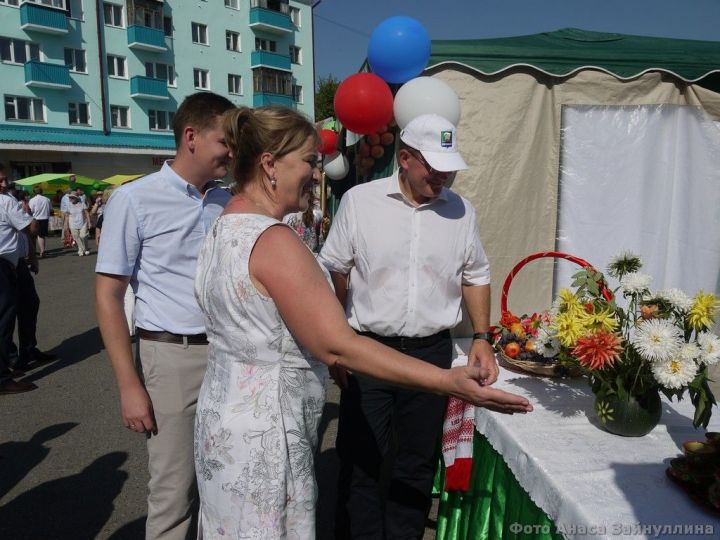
173	374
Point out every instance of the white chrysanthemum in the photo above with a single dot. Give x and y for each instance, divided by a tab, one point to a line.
554	309
709	348
635	283
675	372
677	298
624	257
689	351
546	343
657	340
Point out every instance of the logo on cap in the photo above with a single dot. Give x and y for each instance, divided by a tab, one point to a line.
446	138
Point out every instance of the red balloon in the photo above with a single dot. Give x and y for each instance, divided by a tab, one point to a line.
363	103
328	141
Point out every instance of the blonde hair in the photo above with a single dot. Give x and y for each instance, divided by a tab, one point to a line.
252	132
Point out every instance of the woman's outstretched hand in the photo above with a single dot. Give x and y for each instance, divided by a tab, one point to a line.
465	383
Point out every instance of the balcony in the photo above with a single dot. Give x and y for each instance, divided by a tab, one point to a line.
147	88
266	98
44	75
270	60
146	39
36	18
271	21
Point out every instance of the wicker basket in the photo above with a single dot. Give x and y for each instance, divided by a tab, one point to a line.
545	369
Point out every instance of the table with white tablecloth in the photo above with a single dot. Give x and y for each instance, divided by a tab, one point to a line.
588	482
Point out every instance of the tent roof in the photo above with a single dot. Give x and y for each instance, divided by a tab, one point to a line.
563	52
59	178
118	179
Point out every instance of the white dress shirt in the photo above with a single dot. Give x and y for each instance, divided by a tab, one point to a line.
152	231
407	264
12	221
40	206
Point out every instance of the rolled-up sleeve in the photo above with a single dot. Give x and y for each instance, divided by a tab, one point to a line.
477	267
337	254
121	237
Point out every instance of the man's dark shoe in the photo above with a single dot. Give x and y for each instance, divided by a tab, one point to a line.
10	386
16	373
40	357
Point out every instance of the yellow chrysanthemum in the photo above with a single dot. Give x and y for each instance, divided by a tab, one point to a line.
569	303
568	328
600	321
702	312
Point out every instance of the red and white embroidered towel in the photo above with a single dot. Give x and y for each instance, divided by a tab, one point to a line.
457	438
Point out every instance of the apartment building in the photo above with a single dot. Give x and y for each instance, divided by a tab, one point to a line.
92	86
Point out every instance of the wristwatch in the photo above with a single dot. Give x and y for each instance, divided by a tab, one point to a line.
487	336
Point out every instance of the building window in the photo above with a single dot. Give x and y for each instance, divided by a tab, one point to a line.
59	4
232	41
232	4
156	70
265	45
167	26
281	6
75	60
78	114
160	120
201	78
119	116
113	15
297	93
199	33
295	16
272	81
9	2
17	51
234	84
22	108
295	55
76	10
149	16
116	66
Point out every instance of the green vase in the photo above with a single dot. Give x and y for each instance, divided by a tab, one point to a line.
631	416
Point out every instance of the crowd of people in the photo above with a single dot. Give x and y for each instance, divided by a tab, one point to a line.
243	310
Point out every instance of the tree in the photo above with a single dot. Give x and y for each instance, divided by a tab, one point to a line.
324	96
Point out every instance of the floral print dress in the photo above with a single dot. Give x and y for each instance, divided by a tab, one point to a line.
260	402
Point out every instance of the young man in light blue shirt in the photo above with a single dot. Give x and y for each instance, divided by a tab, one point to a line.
152	233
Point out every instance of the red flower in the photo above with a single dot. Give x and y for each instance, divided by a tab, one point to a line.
508	319
598	350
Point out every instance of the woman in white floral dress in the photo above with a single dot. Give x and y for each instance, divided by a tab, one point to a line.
261	289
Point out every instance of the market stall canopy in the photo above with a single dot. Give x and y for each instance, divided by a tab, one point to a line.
55	180
564	52
118	179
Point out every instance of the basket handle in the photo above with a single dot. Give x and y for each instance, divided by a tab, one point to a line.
606	293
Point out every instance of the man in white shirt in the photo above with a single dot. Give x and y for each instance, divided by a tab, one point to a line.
41	209
14	224
152	233
404	253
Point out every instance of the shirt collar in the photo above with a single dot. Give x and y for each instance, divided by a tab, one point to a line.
393	190
179	183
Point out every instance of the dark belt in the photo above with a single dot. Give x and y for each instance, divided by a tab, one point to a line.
169	337
401	342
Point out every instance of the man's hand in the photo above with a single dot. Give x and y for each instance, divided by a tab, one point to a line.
482	355
137	410
465	384
339	375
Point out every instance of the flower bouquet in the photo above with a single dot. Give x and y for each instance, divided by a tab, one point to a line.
659	342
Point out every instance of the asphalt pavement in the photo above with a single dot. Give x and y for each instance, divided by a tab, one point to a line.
68	468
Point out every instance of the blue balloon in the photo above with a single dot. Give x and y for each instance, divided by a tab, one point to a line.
399	49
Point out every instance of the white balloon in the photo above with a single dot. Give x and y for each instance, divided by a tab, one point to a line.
336	166
426	95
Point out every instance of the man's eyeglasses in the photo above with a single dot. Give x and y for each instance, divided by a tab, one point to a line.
418	156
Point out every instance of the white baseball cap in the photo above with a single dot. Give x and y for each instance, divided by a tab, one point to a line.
436	139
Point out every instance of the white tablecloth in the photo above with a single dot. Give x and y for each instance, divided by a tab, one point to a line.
593	484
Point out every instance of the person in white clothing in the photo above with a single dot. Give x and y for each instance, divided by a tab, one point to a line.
405	254
41	208
77	220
